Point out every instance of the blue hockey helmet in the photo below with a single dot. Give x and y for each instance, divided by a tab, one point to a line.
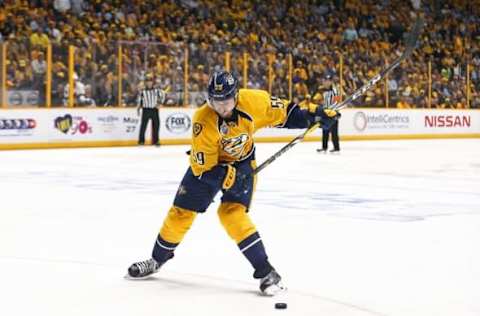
222	86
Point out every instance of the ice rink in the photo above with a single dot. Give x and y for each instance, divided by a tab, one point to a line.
384	228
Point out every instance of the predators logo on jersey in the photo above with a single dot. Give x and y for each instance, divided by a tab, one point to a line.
216	140
235	146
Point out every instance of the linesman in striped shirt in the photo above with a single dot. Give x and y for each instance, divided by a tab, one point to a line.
330	97
148	101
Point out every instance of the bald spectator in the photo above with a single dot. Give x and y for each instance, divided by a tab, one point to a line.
62	6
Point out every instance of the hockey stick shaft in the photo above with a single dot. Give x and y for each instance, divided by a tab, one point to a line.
285	148
410	45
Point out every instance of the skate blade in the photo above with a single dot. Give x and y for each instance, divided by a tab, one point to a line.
130	278
274	290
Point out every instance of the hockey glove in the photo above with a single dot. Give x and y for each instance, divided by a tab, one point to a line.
236	181
326	117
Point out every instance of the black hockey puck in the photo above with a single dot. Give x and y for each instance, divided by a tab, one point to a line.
280	305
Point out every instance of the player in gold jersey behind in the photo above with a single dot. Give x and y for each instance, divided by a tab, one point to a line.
222	158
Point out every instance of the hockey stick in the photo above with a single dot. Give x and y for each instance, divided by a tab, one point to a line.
410	45
295	141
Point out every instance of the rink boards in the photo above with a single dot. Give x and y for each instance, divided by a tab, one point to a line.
51	128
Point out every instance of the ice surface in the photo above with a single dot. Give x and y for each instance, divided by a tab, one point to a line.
384	228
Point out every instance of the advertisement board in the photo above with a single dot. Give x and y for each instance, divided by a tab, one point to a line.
364	122
64	127
23	97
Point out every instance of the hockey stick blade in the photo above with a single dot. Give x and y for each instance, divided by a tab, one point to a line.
409	46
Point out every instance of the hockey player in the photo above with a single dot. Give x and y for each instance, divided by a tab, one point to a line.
222	158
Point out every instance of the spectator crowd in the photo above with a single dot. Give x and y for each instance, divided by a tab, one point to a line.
156	35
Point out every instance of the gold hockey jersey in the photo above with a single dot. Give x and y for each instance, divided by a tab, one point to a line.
221	141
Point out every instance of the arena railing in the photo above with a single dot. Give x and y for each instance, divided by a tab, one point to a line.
110	74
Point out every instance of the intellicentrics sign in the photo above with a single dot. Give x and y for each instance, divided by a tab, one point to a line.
363	121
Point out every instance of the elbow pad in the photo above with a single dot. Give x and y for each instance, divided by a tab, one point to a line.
298	118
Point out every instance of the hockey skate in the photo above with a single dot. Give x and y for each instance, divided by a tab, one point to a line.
143	269
271	284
